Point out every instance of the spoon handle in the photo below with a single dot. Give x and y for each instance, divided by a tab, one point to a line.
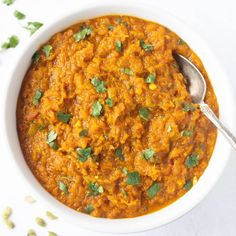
206	110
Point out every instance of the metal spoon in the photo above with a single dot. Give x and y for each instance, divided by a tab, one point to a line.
197	88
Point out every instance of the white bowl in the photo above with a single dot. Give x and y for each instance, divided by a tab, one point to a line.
220	83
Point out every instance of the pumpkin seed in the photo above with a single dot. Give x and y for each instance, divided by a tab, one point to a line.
51	216
6	213
29	199
31	232
9	223
51	233
40	221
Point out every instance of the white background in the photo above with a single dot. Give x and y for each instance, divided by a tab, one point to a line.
215	21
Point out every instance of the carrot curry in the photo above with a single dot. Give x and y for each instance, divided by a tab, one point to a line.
105	120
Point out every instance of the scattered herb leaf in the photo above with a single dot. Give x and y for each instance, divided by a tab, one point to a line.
84	153
127	71
192	160
96	109
148	153
47	50
188	185
63	188
133	178
82	34
36	57
118	45
94	189
12	42
187	133
51	140
109	102
32	27
151	78
99	84
8	2
63	117
146	46
118	153
19	15
181	42
83	133
144	113
88	209
188	107
153	190
37	97
110	27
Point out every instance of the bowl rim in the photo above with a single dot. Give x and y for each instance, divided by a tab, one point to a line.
152	220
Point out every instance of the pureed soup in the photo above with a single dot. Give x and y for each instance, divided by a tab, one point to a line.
105	120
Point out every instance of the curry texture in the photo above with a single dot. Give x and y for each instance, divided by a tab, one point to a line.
105	120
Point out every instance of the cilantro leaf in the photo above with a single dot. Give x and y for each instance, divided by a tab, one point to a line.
192	160
187	133
96	109
118	45
153	190
63	117
188	107
63	188
12	42
37	97
133	178
32	27
144	113
36	57
94	189
148	153
99	85
8	2
109	102
82	34
151	78
84	153
83	133
127	71
118	153
47	50
146	47
19	15
188	185
88	209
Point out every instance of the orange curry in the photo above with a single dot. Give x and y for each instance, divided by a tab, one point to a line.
105	120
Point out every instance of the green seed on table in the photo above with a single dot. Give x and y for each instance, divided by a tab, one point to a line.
31	232
40	221
29	199
6	213
51	233
51	216
9	223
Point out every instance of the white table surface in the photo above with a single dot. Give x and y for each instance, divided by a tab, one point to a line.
215	21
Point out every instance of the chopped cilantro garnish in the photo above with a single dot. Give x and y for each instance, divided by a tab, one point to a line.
99	84
8	2
84	153
63	117
47	50
37	97
151	78
133	178
110	27
82	34
96	109
51	140
19	15
32	27
146	46
187	133
148	153
12	42
144	113
36	57
109	102
192	160
188	107
88	209
118	153
94	189
63	188
181	41
127	71
118	45
119	20
153	190
83	133
188	185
